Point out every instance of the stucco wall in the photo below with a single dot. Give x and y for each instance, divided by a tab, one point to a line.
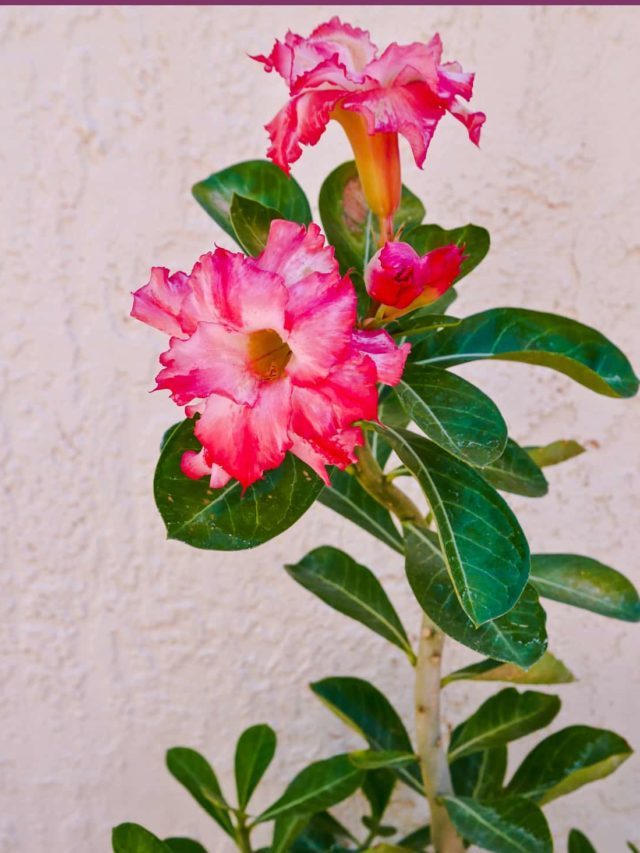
116	643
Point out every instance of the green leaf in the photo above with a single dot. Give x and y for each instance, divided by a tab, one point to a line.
351	589
364	708
291	833
485	550
507	716
548	670
319	786
184	845
453	413
481	774
251	221
418	322
371	759
567	760
579	843
256	180
632	847
517	637
345	216
225	519
132	838
347	497
554	453
586	583
195	773
509	825
534	337
254	752
516	472
474	239
418	840
322	833
378	787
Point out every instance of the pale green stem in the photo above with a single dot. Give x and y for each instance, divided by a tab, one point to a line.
433	760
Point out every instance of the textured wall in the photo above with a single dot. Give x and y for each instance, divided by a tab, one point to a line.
116	643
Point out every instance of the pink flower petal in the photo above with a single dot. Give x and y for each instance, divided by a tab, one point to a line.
229	288
422	59
412	110
301	122
245	441
320	330
214	360
158	303
388	357
338	450
294	252
195	465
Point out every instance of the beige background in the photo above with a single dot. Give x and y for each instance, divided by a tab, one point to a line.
116	643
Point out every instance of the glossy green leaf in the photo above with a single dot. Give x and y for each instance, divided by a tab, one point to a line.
322	833
364	708
472	238
506	716
586	583
515	471
508	825
417	323
319	786
453	413
485	550
225	519
347	497
371	759
254	752
534	337
257	180
132	838
481	774
291	833
579	843
346	220
351	589
548	670
195	773
567	760
555	453
378	787
518	637
251	221
184	845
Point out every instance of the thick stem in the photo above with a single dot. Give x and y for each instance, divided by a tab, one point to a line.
243	839
433	760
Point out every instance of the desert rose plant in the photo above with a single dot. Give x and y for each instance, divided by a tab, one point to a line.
314	366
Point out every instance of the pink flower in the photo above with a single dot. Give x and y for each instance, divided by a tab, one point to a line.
398	277
336	73
265	350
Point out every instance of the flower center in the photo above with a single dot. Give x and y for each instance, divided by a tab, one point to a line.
268	354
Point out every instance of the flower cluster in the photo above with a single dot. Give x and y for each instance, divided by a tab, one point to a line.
266	352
